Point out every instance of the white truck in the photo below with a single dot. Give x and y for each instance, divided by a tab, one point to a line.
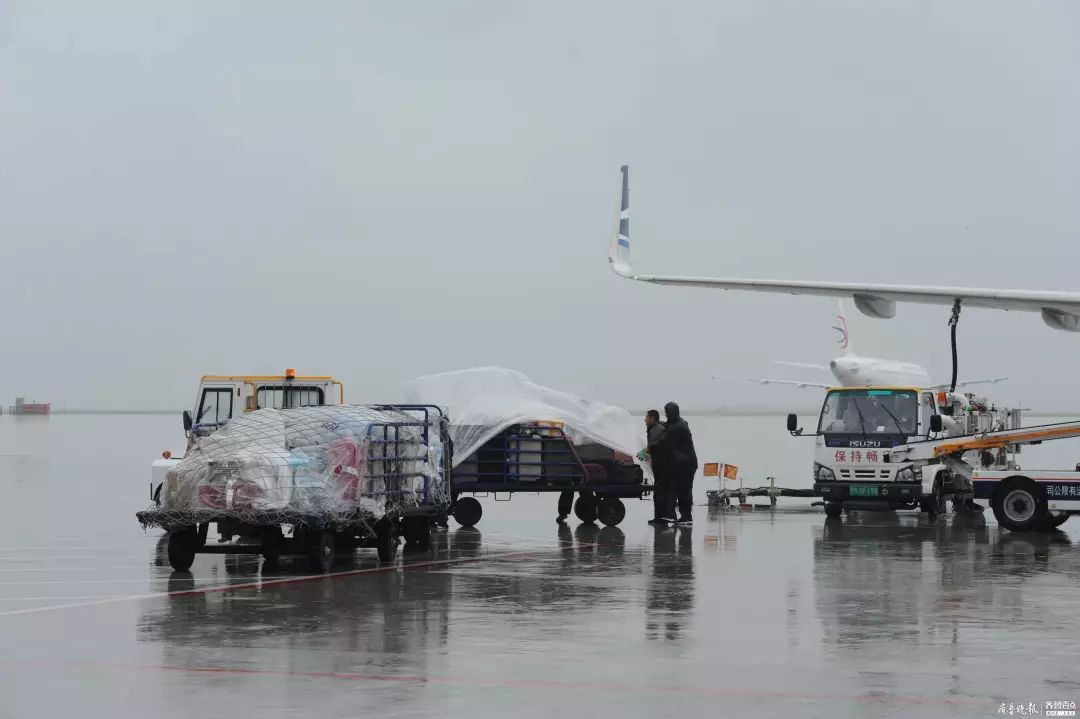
910	447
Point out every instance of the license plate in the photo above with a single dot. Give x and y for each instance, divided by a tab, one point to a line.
863	491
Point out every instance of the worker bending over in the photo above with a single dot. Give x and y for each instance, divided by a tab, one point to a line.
663	491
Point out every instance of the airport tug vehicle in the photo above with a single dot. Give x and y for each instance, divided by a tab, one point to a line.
917	448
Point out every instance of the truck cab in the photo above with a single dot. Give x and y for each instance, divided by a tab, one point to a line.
219	398
856	429
867	443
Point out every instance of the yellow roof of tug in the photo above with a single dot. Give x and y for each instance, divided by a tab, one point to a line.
265	378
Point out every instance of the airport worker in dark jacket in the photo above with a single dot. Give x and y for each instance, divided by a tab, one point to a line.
676	446
663	491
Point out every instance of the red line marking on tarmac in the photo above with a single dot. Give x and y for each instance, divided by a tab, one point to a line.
513	683
268	582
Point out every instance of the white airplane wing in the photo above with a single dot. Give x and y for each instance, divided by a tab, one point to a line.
1059	310
989	380
794	383
803	365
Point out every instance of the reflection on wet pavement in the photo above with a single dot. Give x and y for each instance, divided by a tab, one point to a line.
770	613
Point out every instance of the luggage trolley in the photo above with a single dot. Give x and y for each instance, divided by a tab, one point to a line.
321	535
539	457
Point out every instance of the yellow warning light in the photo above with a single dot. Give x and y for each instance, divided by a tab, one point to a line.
290	373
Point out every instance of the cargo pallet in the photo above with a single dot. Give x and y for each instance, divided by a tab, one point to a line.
540	458
321	536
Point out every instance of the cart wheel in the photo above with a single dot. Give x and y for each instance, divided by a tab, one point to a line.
585	508
321	551
272	544
417	532
1019	505
467	511
386	538
833	509
182	549
611	511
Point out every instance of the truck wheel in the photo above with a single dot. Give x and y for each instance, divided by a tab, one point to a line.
585	508
272	544
386	540
1019	504
611	511
1052	522
467	511
321	551
417	531
833	509
182	544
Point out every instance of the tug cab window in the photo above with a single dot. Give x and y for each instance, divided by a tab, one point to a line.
216	405
288	397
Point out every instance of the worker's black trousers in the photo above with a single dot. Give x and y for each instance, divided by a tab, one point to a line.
566	503
683	481
663	495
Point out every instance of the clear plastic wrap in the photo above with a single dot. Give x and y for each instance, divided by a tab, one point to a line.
484	401
333	462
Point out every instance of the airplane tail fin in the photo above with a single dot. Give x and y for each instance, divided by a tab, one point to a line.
619	250
841	318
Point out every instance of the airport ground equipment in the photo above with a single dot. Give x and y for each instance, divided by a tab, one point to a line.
909	448
538	457
311	481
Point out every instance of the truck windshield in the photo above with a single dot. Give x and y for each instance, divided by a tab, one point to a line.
869	411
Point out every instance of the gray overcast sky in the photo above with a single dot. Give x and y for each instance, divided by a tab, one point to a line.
382	190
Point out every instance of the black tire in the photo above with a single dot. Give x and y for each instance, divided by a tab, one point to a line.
386	540
1019	505
182	543
321	551
273	543
585	508
1052	522
833	509
417	531
467	511
611	511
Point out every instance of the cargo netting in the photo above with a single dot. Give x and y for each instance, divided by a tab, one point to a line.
337	464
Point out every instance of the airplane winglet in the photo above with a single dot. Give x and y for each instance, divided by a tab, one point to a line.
619	252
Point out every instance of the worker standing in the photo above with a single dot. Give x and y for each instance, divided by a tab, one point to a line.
663	492
676	445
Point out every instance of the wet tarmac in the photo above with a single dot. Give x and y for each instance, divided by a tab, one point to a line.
756	614
747	614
